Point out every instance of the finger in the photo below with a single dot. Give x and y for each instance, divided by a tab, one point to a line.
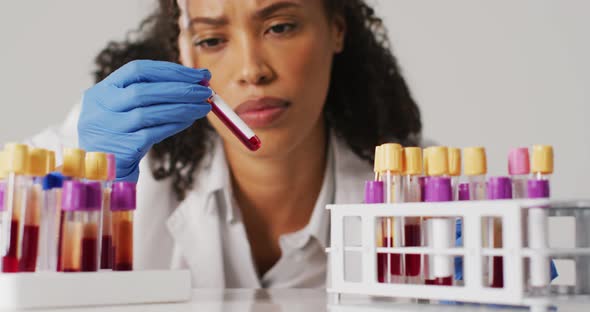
155	71
157	134
156	115
151	93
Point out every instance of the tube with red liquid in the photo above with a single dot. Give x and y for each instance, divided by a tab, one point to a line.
90	217
15	156
412	192
106	258
73	206
123	205
498	188
374	195
442	230
232	121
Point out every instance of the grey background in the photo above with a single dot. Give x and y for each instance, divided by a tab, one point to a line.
497	73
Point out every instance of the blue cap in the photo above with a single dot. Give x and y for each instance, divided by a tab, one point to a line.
53	180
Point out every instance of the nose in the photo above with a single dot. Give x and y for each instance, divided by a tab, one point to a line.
254	68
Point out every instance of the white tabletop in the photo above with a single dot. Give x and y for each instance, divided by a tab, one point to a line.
285	300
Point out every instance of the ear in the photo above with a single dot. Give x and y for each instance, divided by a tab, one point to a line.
338	32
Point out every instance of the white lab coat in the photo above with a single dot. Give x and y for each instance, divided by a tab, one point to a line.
170	234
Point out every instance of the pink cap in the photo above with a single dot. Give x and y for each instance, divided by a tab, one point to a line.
123	196
111	167
2	188
438	189
463	191
518	161
373	192
93	196
73	196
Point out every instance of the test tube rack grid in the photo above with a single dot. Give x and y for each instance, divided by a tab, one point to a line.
472	290
91	289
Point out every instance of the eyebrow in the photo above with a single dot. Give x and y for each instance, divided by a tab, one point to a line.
271	9
213	21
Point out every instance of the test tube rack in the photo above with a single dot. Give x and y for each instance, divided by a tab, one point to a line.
352	252
90	289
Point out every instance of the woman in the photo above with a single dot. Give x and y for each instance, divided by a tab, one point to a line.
314	79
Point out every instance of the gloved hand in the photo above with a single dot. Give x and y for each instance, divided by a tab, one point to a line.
139	105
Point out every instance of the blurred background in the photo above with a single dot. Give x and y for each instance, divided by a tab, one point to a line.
500	73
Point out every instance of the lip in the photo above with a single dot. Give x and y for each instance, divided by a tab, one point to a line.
262	112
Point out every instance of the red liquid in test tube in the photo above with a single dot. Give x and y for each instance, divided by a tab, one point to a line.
10	260
30	246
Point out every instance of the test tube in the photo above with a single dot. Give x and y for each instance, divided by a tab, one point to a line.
50	221
374	195
90	216
542	162
14	199
392	167
106	259
4	217
381	222
537	230
72	169
412	192
454	169
498	188
439	189
519	169
96	170
436	165
73	206
36	170
123	203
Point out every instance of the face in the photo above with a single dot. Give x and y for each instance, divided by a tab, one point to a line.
270	61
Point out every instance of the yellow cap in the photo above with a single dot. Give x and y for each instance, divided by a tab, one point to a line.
425	159
392	157
50	166
96	166
73	164
454	161
475	161
412	161
542	161
438	161
16	158
37	162
3	172
377	165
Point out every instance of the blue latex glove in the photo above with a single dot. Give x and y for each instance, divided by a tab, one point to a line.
139	105
459	260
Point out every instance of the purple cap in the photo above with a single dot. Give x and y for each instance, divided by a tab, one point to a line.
93	196
2	188
538	188
518	161
111	167
438	189
123	196
374	192
73	196
463	191
422	183
499	188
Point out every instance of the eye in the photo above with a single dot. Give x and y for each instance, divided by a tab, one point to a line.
281	28
209	43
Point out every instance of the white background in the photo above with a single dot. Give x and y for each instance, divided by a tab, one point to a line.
499	73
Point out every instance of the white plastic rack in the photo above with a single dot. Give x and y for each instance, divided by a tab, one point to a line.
353	252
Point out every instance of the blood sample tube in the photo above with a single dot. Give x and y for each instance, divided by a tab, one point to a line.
374	195
519	170
540	265
454	169
91	215
122	207
73	206
50	221
498	188
412	192
442	231
381	223
437	165
392	166
96	170
106	250
72	169
36	170
16	157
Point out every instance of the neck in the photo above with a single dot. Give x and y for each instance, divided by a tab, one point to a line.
282	191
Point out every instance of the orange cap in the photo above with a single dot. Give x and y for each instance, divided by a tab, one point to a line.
95	167
438	161
378	156
454	161
50	166
73	163
392	157
15	156
542	161
475	161
37	162
412	161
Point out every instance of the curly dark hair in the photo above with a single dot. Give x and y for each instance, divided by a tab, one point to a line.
368	101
